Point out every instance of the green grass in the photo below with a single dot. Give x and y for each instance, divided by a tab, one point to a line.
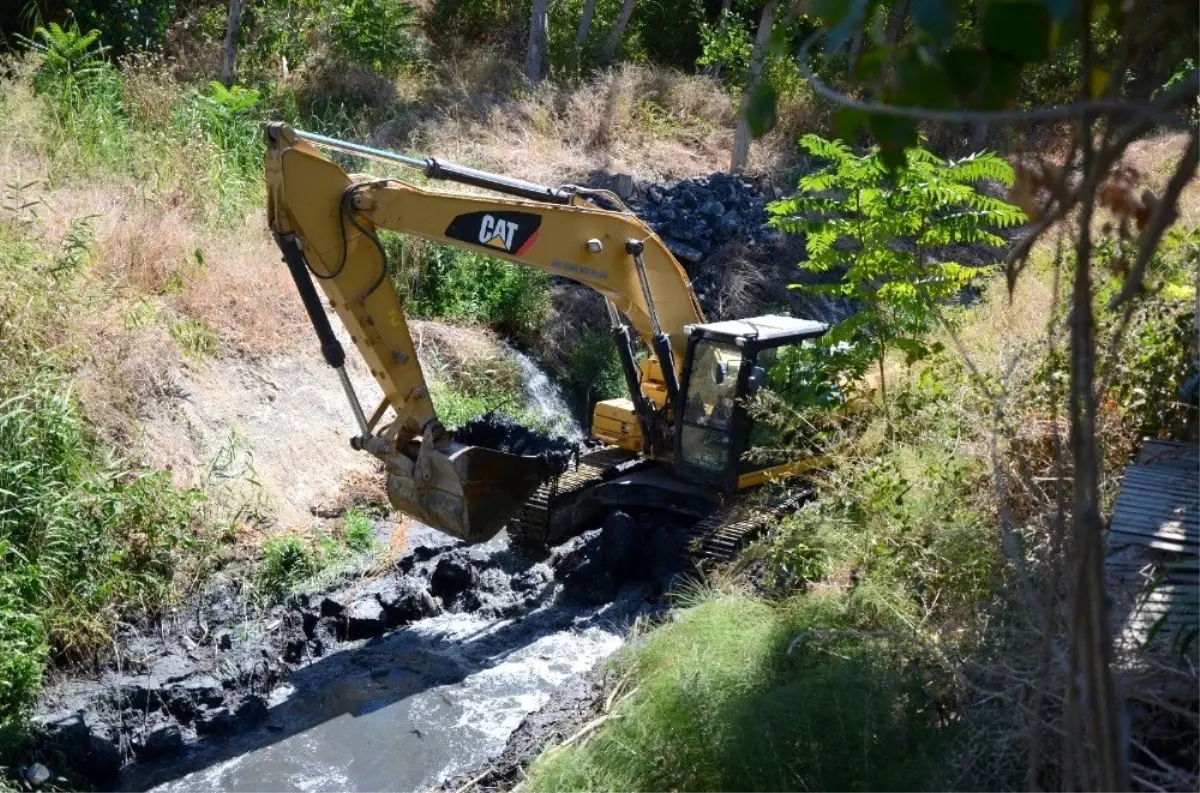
358	530
195	338
287	561
908	516
87	538
294	561
440	282
719	703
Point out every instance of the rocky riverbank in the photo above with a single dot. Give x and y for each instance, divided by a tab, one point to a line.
175	693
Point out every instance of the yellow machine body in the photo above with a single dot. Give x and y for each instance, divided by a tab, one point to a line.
469	492
615	422
327	226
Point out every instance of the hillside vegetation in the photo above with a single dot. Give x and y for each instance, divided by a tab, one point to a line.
916	623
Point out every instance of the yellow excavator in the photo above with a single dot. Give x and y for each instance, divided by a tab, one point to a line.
677	443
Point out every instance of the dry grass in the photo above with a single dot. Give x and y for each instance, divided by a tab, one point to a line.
653	123
153	264
474	360
1003	324
1156	158
229	280
358	489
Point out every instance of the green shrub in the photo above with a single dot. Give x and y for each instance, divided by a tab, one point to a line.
77	247
909	518
1146	380
287	561
195	338
128	25
455	407
928	203
593	367
726	45
274	31
476	23
666	33
23	650
376	34
292	561
446	283
358	530
228	121
85	117
85	540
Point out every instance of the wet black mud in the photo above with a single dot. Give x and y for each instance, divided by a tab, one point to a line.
221	680
494	431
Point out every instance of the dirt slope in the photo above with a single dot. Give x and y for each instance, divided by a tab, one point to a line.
285	412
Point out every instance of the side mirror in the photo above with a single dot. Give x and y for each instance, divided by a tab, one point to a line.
757	378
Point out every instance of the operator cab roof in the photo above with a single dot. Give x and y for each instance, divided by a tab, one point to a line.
770	330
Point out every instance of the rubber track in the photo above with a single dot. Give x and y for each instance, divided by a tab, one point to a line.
719	537
531	524
714	539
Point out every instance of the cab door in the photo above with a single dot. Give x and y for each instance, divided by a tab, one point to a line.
712	414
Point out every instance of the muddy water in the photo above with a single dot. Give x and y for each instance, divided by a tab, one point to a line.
406	710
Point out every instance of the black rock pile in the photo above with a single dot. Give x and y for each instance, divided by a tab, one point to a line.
694	217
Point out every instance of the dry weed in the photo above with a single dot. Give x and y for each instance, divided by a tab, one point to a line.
653	123
1155	158
473	361
125	370
358	489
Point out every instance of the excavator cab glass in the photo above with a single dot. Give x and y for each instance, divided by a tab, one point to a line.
727	363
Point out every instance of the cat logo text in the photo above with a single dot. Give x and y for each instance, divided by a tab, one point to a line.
506	232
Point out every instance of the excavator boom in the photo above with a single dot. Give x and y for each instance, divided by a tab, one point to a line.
327	225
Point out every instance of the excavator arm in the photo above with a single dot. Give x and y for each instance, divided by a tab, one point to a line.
326	224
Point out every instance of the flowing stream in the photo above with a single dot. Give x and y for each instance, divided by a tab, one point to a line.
418	705
406	710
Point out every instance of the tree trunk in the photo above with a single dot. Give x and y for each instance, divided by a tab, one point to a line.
895	25
581	34
539	35
614	37
229	60
758	56
1095	717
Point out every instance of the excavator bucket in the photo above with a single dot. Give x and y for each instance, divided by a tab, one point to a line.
469	492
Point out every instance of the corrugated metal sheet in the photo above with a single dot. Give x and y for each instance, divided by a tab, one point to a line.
1153	543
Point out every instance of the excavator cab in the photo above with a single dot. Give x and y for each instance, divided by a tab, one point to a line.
726	364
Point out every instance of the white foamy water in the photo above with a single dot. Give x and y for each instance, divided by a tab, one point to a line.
546	399
404	712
